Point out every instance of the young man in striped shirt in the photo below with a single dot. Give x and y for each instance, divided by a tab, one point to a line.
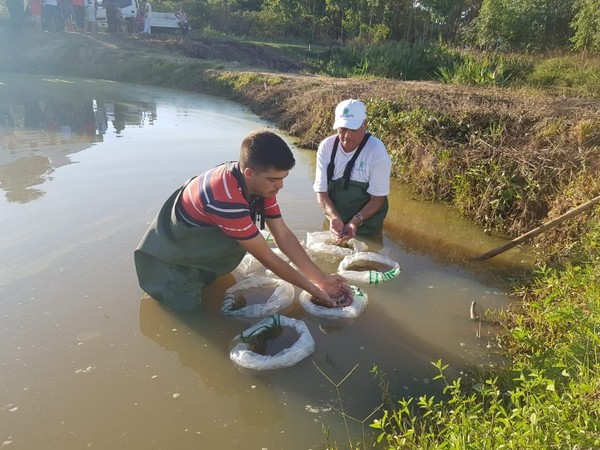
206	227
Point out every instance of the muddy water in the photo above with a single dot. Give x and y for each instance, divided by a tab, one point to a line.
88	361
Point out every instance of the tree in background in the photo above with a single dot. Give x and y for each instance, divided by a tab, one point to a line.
448	18
508	25
526	25
586	25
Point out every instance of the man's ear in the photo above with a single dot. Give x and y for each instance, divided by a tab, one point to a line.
248	172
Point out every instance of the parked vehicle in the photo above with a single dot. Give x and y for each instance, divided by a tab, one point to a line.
163	21
159	21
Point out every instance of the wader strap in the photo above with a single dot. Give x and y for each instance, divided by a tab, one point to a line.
349	166
178	208
257	212
256	203
331	165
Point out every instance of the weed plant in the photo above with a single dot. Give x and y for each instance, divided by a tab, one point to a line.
471	162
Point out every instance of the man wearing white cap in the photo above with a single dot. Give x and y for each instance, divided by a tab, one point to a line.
353	175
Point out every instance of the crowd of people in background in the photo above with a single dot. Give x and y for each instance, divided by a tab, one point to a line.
81	16
53	15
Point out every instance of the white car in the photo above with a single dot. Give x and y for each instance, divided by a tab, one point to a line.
159	21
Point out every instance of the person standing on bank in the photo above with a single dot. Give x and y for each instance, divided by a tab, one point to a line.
352	178
206	227
90	23
112	15
147	13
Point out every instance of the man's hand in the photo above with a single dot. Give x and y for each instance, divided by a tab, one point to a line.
338	293
348	233
336	226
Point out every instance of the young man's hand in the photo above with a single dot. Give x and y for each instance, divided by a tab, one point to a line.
338	292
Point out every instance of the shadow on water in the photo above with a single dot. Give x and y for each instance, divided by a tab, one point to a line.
200	343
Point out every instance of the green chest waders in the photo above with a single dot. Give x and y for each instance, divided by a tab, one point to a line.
174	262
350	196
350	199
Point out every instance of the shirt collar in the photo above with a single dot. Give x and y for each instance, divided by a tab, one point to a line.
234	168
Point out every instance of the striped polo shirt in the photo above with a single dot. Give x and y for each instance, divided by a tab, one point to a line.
220	198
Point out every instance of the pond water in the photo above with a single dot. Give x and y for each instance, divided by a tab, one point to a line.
88	361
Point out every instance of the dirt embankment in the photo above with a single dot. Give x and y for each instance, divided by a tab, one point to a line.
508	159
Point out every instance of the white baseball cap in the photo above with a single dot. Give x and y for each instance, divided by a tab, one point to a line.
350	114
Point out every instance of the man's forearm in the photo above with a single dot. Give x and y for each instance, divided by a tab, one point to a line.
293	250
326	205
370	208
261	251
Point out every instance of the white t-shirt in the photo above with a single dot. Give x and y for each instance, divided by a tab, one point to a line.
372	166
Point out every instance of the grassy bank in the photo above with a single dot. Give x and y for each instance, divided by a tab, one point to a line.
507	158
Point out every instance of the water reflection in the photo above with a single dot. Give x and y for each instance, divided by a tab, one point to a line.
39	132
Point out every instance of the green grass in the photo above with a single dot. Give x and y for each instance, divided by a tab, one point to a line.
574	74
396	60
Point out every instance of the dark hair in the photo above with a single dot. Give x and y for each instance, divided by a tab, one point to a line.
263	150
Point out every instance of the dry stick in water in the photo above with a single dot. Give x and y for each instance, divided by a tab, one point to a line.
538	230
